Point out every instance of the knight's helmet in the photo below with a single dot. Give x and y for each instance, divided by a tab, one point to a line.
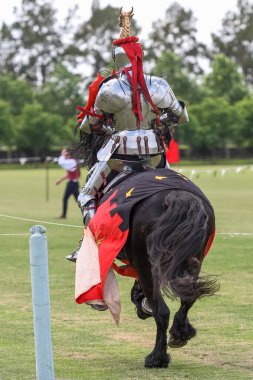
120	55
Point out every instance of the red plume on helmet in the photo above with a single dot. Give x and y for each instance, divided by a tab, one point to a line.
134	53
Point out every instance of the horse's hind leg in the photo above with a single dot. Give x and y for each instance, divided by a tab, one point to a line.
181	330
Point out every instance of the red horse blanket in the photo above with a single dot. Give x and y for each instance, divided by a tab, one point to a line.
108	232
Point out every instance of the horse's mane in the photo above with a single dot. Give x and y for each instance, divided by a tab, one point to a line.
86	150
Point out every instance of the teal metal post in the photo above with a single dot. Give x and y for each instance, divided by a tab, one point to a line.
41	303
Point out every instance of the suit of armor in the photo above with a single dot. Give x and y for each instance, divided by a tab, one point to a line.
125	138
134	111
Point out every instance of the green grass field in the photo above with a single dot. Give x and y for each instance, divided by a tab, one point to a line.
86	343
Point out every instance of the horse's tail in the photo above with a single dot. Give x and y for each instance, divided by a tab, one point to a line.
176	248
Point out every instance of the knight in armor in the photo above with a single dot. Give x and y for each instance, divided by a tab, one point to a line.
134	112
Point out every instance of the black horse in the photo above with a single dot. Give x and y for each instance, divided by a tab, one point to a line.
169	232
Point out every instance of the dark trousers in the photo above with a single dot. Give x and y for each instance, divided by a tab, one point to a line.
72	188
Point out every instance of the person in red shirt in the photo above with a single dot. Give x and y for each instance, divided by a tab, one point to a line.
68	163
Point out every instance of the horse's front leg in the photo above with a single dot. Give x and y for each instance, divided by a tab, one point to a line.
159	357
181	330
137	254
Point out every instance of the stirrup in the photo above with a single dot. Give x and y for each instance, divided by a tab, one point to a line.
99	307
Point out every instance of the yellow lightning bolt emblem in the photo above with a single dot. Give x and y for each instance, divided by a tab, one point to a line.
159	177
129	193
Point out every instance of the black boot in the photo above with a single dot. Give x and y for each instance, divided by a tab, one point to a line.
73	256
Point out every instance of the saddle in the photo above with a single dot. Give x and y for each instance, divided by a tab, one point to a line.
125	167
118	179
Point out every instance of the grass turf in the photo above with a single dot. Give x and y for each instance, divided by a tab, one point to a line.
87	344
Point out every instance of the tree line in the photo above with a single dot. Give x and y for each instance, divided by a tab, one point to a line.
46	66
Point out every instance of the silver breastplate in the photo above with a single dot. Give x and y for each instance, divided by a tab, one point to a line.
115	97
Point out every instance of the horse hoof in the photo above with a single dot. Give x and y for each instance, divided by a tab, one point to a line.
176	343
152	361
141	314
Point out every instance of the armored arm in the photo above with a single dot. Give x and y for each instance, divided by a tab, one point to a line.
173	111
170	119
100	126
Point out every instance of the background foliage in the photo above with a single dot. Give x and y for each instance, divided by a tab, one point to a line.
46	66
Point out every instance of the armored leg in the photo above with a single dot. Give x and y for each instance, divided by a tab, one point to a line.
87	198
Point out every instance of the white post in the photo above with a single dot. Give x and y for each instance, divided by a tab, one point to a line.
41	304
